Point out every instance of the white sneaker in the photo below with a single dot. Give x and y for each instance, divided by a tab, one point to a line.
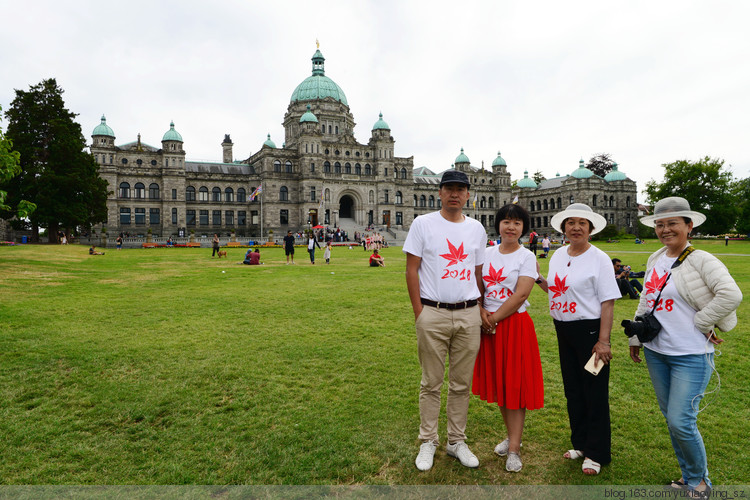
462	452
513	464
502	448
426	456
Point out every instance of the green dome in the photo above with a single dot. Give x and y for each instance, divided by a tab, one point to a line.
526	182
462	158
615	175
582	172
308	116
269	142
318	86
103	129
380	124
172	134
499	162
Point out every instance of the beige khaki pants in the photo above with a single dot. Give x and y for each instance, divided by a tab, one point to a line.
455	333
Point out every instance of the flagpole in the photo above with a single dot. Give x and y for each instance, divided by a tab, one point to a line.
261	212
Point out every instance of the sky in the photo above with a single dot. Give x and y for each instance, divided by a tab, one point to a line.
545	83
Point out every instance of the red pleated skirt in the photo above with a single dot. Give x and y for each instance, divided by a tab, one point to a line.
508	369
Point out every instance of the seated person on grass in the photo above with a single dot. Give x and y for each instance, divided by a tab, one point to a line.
92	251
628	287
252	257
376	260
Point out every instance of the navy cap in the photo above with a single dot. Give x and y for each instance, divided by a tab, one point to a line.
454	176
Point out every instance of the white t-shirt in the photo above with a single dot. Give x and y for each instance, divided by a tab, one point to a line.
578	285
678	335
500	273
450	252
545	243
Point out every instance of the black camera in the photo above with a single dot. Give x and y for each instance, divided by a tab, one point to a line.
644	327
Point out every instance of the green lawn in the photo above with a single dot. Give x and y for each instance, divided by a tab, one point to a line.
165	366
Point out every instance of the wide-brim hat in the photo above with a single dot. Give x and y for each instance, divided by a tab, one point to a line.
579	210
674	206
454	176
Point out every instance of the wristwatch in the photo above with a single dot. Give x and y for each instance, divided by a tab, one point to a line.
539	280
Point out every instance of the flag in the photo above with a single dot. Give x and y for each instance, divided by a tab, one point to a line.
257	191
515	200
322	193
475	200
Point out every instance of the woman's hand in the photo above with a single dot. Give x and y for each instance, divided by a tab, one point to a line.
713	338
603	353
634	353
488	325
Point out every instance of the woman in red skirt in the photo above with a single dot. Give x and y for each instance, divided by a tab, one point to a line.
508	370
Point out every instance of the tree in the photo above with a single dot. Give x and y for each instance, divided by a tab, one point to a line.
741	191
56	172
10	166
601	164
538	177
705	186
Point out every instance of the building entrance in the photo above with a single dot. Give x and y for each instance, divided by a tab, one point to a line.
346	207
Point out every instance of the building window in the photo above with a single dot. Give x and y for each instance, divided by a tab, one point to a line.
415	200
546	206
327	217
368	168
323	129
328	195
190	193
358	169
174	194
174	216
140	216
337	168
483	203
385	172
327	167
491	202
593	201
190	217
277	166
139	190
627	204
385	195
124	216
284	217
216	218
552	203
399	199
216	194
484	220
124	190
492	221
153	191
611	201
241	195
241	218
628	221
203	220
203	193
399	218
229	195
432	201
347	168
288	167
312	166
154	217
611	218
572	199
283	194
403	173
545	221
371	196
423	201
229	218
312	193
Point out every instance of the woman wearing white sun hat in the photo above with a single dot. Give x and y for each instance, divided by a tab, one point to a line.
697	295
582	290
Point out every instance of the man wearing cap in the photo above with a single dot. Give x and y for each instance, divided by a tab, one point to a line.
444	256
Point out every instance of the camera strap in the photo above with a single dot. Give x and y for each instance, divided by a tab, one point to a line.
677	263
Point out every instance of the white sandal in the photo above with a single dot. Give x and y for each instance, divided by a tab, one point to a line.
573	454
589	464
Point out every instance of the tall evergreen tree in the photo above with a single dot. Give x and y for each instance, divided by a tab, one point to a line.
10	166
56	172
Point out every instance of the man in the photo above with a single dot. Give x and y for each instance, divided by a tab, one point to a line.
444	256
252	257
628	287
289	246
533	239
376	260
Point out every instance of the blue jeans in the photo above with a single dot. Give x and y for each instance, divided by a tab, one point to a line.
679	383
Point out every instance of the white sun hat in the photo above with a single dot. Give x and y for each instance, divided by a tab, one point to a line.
579	210
674	206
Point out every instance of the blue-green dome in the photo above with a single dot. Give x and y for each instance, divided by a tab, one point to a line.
462	158
381	124
318	86
172	134
499	162
526	182
308	116
269	142
615	175
582	172
103	129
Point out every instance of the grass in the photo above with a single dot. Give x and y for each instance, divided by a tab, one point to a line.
165	366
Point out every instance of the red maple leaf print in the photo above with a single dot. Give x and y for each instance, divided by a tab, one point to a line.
456	255
494	277
559	287
654	283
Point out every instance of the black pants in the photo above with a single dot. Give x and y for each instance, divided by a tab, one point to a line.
587	395
216	250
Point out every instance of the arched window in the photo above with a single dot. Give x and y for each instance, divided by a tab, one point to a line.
288	167
612	218
368	169
559	203
552	203
241	195
190	193
423	201
124	190
612	202
372	196
358	169
277	166
627	204
337	168
538	222
431	202
139	190
491	202
216	194
545	221
203	193
327	167
174	216
153	191
403	173
399	197
538	205
546	206
229	194
283	194
347	168
593	201
531	206
415	200
483	202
